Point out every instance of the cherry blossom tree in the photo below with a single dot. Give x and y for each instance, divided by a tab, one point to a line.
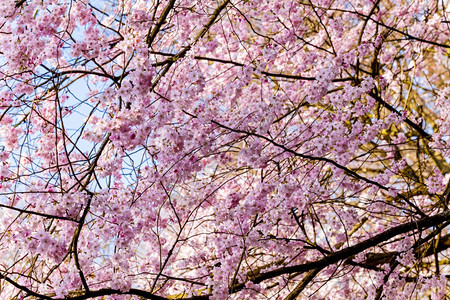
224	149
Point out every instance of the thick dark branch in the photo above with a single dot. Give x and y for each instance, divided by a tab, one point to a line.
25	211
302	284
20	3
185	49
24	288
375	259
106	292
348	252
416	127
152	35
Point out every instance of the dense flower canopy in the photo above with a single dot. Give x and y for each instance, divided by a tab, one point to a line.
214	149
